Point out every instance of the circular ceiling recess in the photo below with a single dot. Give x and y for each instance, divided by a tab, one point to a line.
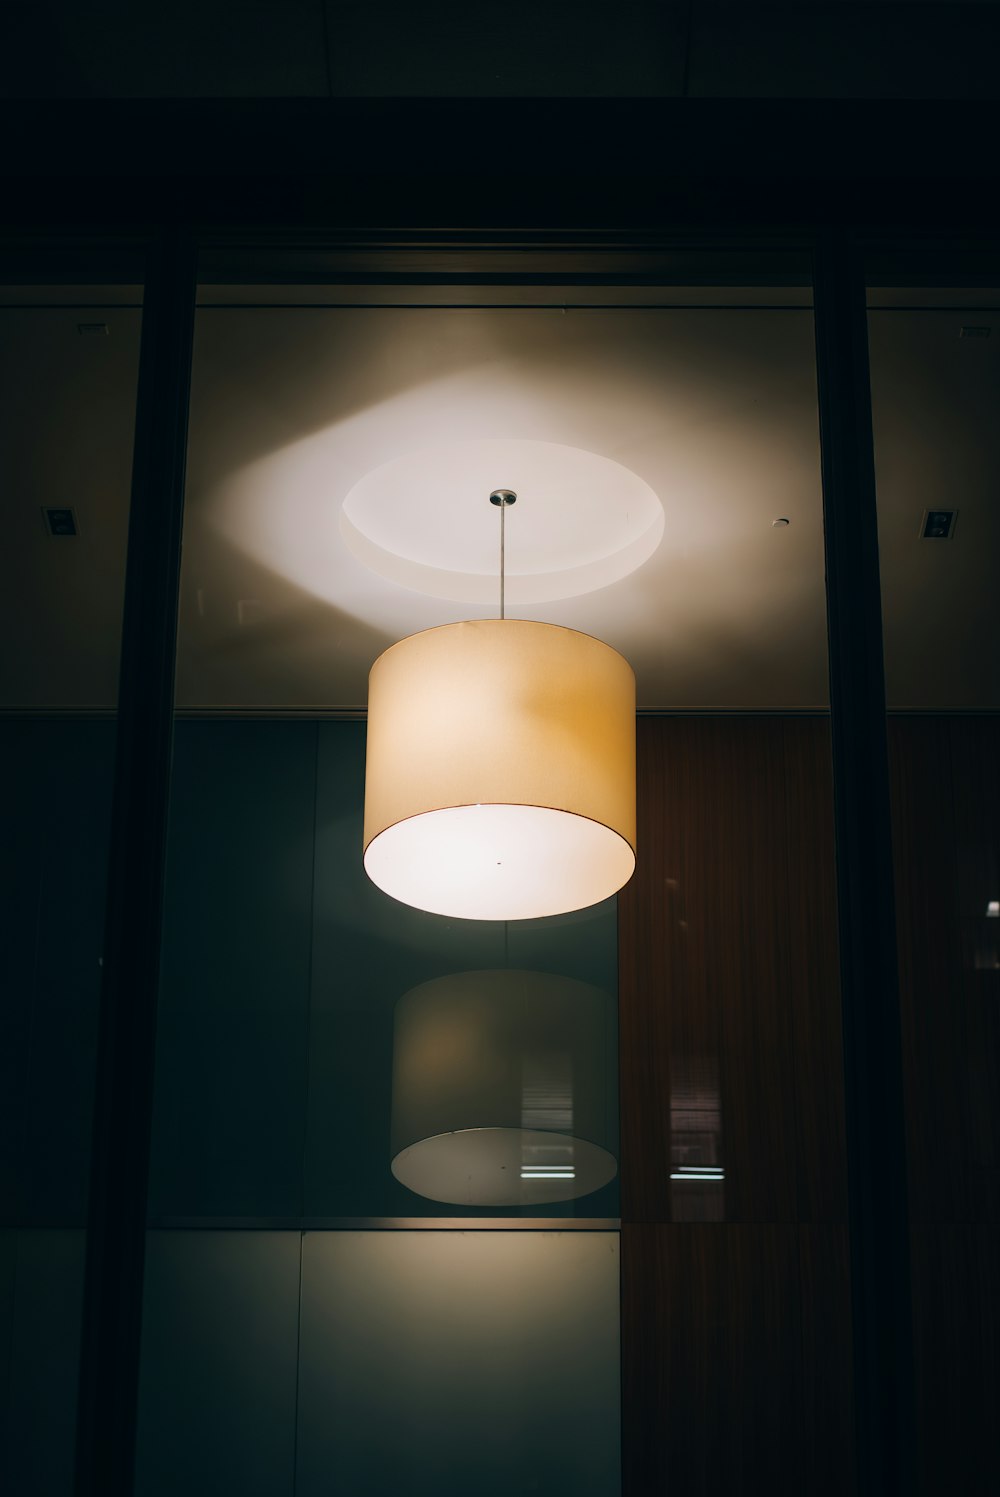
424	521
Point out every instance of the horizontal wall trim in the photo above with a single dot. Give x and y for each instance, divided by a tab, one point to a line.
385	1224
359	714
987	302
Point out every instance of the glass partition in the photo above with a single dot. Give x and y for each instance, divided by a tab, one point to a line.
68	366
427	1191
296	995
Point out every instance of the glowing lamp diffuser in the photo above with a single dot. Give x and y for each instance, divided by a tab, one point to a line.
500	775
503	1089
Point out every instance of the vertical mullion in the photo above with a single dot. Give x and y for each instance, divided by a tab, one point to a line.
873	1077
116	1221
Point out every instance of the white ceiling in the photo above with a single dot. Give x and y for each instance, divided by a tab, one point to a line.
712	407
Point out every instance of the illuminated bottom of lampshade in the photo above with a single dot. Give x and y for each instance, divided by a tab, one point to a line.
499	862
503	1167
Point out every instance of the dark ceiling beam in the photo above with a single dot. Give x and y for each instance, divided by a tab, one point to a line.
686	165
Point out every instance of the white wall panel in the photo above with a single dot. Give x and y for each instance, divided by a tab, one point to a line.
459	1362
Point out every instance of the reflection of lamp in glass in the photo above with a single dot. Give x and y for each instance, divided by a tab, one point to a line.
503	1089
500	775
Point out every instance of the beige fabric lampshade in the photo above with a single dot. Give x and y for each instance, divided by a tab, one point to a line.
503	1089
500	776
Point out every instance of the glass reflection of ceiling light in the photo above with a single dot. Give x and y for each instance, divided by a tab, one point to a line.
500	773
691	1173
503	1089
993	910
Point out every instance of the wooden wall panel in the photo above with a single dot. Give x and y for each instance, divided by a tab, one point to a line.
956	1302
737	1365
716	1307
929	956
735	1295
827	1350
728	961
946	809
975	751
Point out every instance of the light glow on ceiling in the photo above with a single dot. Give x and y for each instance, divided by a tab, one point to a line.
583	520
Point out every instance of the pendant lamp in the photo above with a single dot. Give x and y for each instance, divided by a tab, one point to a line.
503	1089
500	773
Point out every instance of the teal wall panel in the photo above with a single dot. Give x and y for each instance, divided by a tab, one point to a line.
54	828
218	1381
233	1018
44	1275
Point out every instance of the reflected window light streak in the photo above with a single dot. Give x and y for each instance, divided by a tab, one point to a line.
547	1092
696	1136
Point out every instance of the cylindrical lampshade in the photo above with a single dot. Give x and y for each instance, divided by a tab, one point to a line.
500	777
503	1089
